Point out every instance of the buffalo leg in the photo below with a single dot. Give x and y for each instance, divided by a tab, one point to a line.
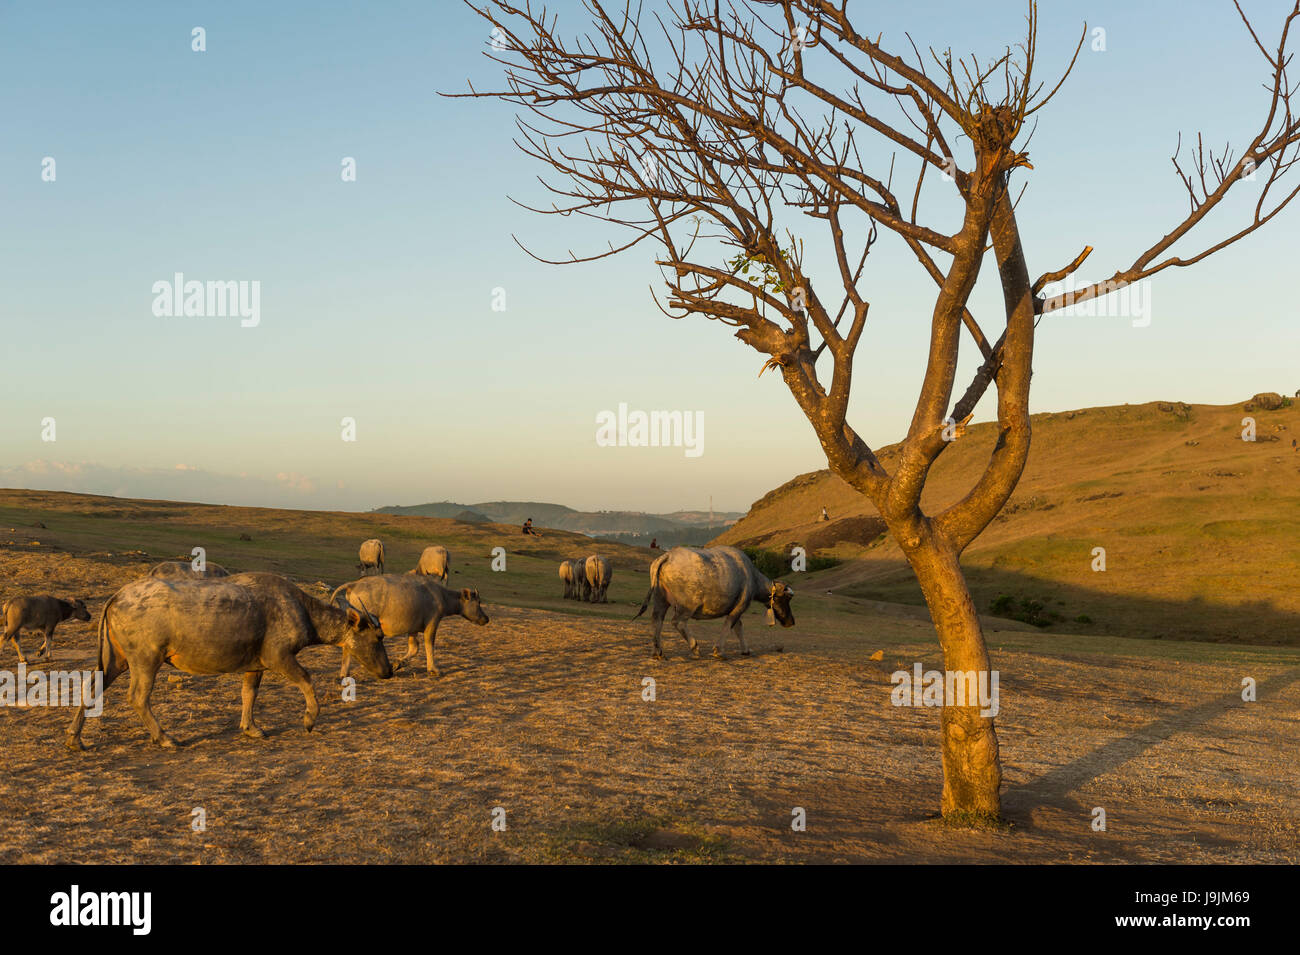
13	635
739	629
141	687
346	666
47	643
295	674
680	619
412	647
430	634
733	625
248	693
113	668
658	624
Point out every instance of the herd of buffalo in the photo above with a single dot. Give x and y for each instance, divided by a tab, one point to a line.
202	619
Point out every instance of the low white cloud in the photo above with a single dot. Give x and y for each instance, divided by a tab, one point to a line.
297	482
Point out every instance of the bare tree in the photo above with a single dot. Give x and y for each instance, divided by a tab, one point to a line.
755	119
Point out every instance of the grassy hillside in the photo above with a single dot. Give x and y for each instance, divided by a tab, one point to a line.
309	546
1201	529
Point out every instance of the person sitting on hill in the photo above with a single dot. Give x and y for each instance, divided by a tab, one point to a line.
654	543
825	516
528	526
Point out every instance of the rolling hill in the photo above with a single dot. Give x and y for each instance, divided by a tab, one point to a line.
78	532
1201	529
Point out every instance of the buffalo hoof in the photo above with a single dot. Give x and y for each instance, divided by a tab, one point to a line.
746	653
695	653
253	732
656	654
74	743
719	655
166	742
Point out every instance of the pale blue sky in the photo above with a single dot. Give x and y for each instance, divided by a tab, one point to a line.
376	294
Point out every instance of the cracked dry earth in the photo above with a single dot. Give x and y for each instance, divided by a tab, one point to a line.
542	714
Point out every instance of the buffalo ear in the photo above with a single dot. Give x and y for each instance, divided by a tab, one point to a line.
354	618
466	593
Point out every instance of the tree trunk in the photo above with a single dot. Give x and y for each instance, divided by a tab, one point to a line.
972	774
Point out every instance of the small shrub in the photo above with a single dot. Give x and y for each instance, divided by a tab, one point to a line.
774	563
1026	611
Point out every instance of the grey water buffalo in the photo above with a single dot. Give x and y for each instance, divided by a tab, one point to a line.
172	569
372	556
410	604
599	574
42	613
245	623
566	576
581	589
708	583
434	562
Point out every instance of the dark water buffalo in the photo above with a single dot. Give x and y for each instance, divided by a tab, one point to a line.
410	604
599	574
708	583
173	569
371	555
434	562
246	623
41	612
581	589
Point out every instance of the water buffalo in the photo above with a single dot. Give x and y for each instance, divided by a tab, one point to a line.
581	589
245	623
372	556
172	569
41	612
708	583
434	562
599	574
410	604
566	575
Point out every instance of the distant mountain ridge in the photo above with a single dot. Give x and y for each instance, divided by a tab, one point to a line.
677	526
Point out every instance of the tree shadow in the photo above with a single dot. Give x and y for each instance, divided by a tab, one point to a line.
1254	622
1055	786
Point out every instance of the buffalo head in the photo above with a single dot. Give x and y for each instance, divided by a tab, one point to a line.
365	640
470	607
778	601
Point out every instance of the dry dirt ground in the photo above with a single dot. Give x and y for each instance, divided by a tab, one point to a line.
542	714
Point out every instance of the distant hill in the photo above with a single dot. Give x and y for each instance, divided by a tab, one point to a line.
1201	529
633	527
444	509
